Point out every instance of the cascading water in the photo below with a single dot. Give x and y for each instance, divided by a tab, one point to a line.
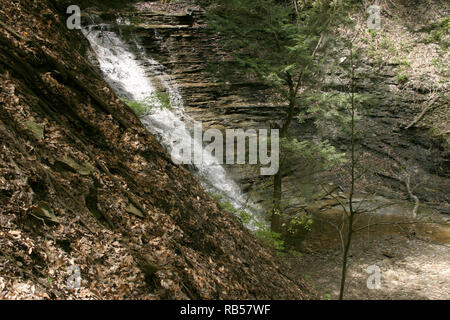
125	72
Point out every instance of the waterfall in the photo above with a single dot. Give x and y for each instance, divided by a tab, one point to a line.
125	67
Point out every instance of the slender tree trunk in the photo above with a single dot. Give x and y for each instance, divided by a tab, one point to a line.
296	6
275	224
345	254
352	187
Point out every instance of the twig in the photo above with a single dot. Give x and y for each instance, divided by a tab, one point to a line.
422	114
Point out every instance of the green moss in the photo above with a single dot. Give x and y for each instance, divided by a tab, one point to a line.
36	129
85	169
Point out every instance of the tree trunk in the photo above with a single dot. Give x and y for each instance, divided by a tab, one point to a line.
275	224
353	180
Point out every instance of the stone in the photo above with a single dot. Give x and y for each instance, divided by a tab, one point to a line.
43	211
133	210
85	169
36	128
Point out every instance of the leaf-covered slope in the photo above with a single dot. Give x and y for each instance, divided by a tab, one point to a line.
77	169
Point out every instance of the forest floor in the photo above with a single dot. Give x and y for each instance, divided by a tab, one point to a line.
410	268
413	263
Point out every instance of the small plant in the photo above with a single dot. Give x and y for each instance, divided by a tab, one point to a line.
373	33
385	44
216	197
326	296
143	107
245	216
140	108
296	254
299	222
439	33
401	78
164	98
403	62
271	239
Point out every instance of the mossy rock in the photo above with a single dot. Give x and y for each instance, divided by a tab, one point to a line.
42	211
133	210
36	128
85	169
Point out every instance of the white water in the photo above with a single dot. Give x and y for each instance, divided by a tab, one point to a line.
126	72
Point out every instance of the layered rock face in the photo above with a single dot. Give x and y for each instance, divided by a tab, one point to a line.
179	41
87	191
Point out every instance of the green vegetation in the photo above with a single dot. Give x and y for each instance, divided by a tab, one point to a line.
326	296
271	239
300	222
322	152
164	98
274	240
143	107
140	108
403	62
439	33
442	67
402	78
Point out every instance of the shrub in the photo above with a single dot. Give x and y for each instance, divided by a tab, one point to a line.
143	107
